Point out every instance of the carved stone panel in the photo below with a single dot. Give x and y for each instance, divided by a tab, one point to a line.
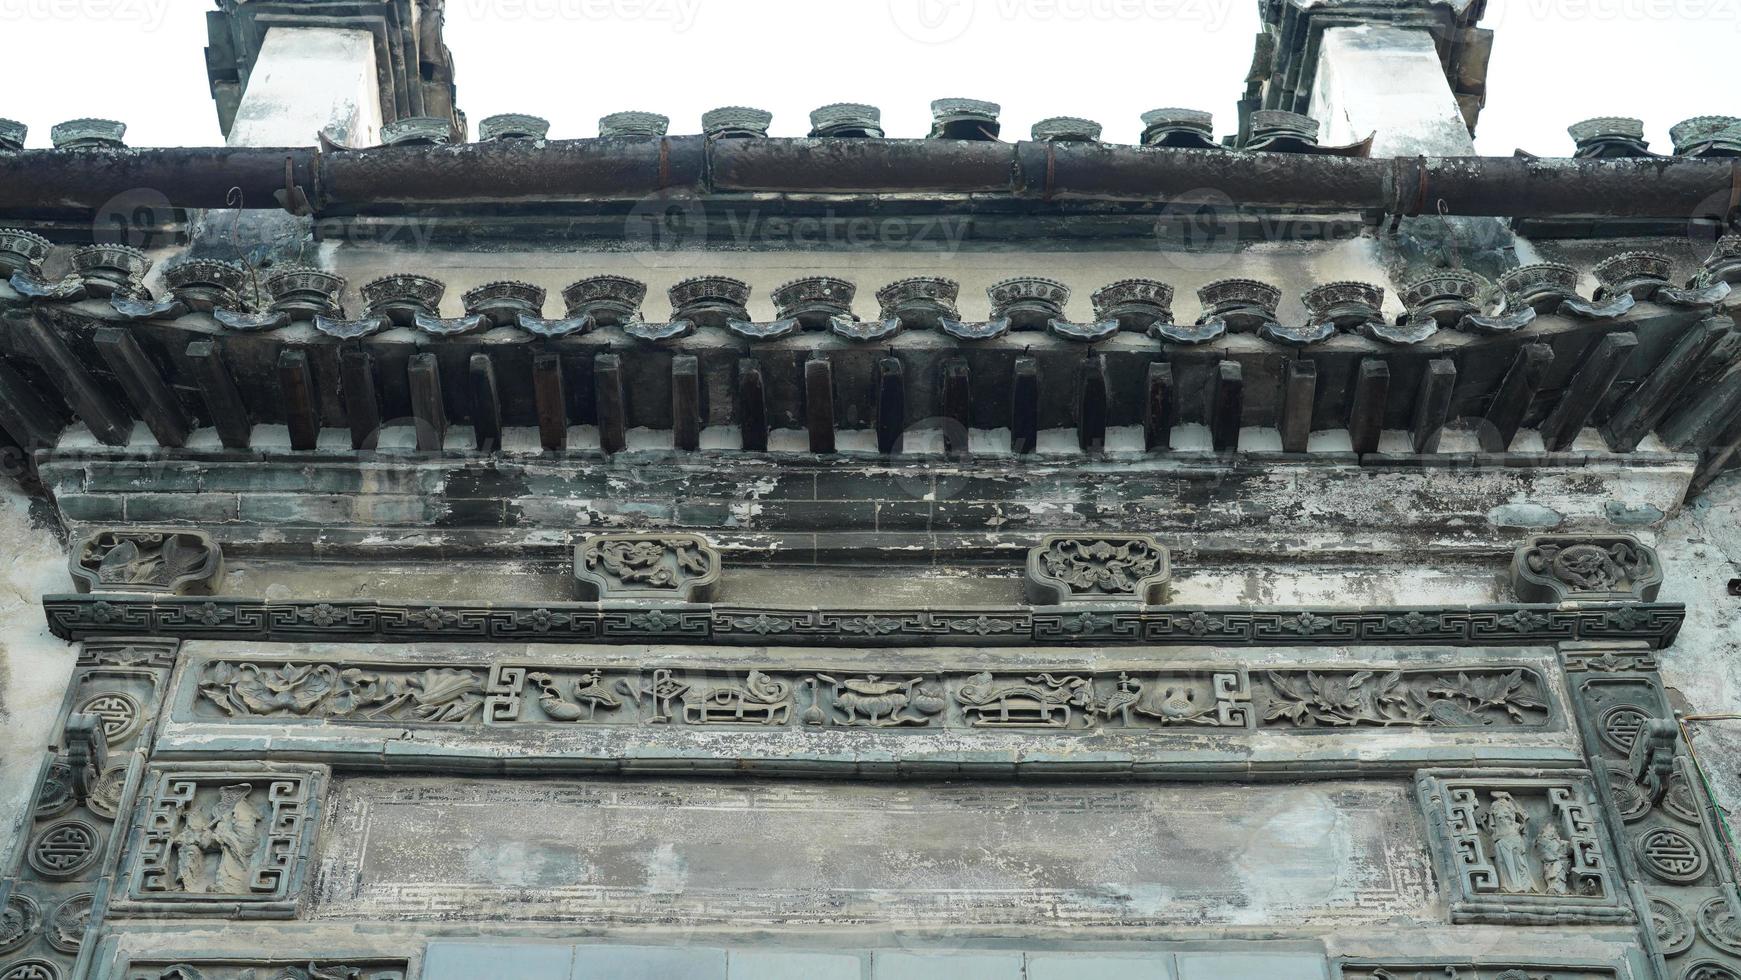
674	567
1287	698
1523	849
1104	568
676	851
217	840
314	968
173	561
1441	970
1586	568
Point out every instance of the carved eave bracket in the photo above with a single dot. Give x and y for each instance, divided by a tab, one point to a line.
672	567
1560	568
1066	569
171	562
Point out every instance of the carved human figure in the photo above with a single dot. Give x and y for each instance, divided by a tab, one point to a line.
187	848
231	830
1507	822
236	836
1555	853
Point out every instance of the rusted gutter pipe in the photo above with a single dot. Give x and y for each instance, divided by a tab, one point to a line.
629	169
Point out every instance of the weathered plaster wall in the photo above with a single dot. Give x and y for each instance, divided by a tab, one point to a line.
309	80
34	666
1389	81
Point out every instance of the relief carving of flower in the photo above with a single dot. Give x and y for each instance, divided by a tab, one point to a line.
983	626
1307	624
540	620
657	621
1200	623
1524	621
323	615
763	624
104	612
434	618
871	625
211	614
1085	623
1415	623
1628	618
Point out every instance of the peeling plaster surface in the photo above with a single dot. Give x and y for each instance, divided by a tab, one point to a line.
676	852
34	666
1701	554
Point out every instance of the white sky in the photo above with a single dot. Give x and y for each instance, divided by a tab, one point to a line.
571	61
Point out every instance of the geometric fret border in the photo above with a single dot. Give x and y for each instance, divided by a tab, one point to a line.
76	617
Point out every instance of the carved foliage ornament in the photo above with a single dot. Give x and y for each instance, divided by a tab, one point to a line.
683	567
174	562
1065	569
1574	568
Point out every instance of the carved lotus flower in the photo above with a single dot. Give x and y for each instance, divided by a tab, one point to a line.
736	122
513	126
847	119
634	124
965	119
1066	129
1191	128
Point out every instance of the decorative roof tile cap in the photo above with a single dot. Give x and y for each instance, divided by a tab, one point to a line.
513	126
404	293
12	133
1175	118
1132	296
973	119
1688	133
1334	299
418	131
194	273
504	300
1227	295
75	134
709	289
1631	270
847	119
1607	127
634	124
1445	284
1270	123
814	295
617	296
1028	290
1540	280
736	121
1066	129
1728	249
920	296
124	259
291	280
21	250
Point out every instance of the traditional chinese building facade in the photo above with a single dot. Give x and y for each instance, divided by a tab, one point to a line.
1291	546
